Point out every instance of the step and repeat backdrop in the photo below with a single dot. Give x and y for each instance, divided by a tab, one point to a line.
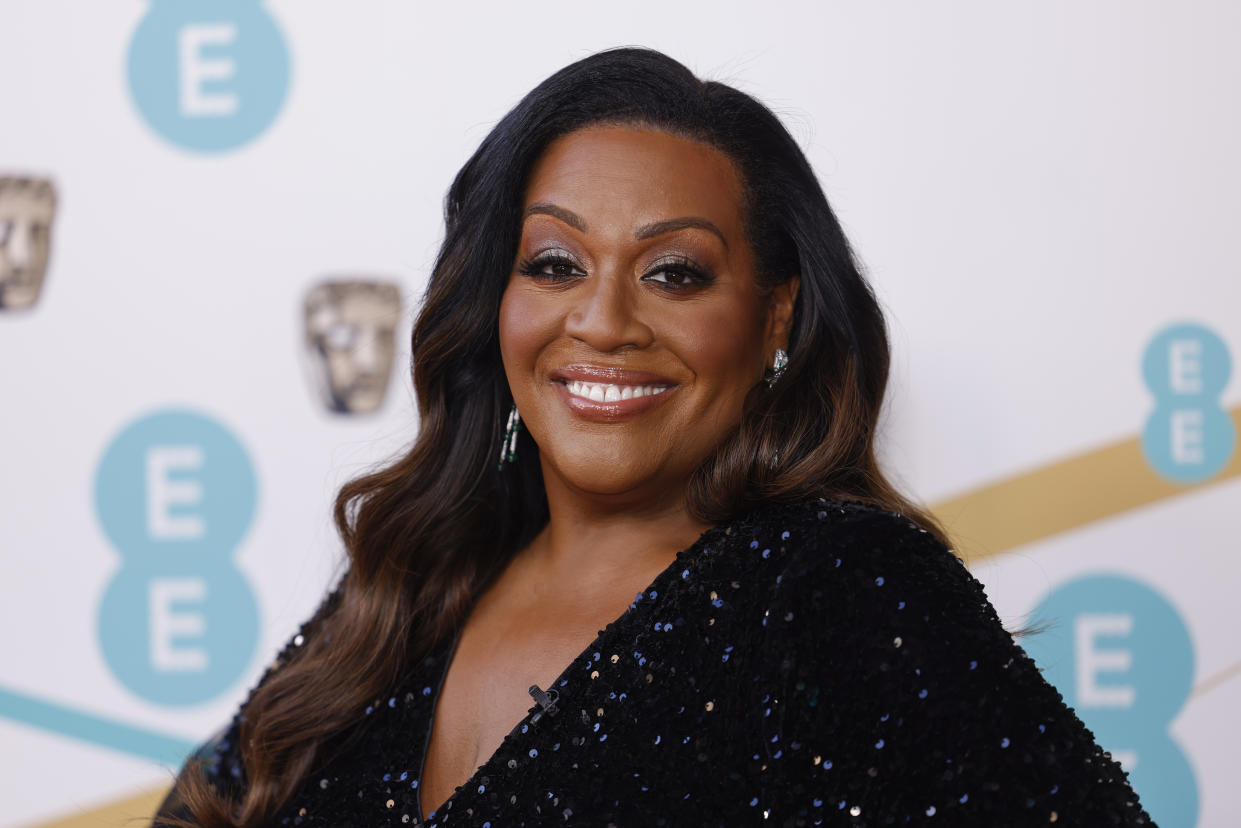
217	218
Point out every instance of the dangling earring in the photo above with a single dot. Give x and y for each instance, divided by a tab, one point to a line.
508	444
777	367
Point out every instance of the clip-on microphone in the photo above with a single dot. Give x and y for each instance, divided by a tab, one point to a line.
546	700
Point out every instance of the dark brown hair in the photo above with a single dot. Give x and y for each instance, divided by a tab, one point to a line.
427	533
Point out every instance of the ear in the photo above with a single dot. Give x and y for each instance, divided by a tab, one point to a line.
780	304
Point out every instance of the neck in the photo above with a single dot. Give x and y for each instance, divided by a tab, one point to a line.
594	540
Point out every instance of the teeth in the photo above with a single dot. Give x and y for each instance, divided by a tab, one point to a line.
605	392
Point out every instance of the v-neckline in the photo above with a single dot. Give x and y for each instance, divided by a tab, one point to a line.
609	629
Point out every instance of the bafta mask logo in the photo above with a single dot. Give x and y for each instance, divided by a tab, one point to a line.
208	75
27	207
350	329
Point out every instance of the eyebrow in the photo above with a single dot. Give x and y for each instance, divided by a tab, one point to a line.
646	231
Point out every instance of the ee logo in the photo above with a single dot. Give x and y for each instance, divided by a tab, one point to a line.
1189	436
208	75
175	493
1121	657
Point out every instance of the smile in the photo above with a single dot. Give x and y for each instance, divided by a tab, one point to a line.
606	392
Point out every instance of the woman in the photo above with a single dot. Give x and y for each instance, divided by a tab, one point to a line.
686	556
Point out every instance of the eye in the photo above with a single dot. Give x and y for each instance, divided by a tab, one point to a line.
340	337
679	274
555	267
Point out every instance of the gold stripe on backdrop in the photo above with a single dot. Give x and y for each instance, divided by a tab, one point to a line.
133	812
984	522
1064	495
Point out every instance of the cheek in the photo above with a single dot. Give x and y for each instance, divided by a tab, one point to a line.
722	345
525	327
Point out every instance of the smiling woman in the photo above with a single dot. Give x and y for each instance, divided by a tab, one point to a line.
687	557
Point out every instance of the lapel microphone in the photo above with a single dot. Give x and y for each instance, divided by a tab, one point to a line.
545	700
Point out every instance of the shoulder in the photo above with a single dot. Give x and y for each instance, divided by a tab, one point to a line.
817	538
220	756
805	524
850	569
884	660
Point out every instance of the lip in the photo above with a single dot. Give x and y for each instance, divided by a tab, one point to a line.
585	372
617	410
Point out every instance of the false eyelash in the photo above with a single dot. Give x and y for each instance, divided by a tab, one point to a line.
699	276
534	267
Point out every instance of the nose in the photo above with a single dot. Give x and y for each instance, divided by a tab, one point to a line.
605	314
367	350
17	244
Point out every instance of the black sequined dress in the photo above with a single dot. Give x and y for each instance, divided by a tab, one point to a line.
820	663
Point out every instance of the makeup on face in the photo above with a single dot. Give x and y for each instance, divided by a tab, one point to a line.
631	328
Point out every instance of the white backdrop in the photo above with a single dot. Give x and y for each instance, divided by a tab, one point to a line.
1037	190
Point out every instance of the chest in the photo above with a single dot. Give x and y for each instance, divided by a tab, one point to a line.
485	692
658	717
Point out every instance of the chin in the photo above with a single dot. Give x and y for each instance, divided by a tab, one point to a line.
603	476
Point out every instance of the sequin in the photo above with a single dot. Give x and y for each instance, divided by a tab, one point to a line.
847	633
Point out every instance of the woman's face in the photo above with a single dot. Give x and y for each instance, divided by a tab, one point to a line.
632	327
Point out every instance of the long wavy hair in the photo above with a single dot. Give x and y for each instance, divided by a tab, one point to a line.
426	534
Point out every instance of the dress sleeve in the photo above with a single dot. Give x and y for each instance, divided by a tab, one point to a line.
221	753
889	693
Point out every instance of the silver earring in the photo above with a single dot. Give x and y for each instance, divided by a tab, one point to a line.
508	444
777	367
